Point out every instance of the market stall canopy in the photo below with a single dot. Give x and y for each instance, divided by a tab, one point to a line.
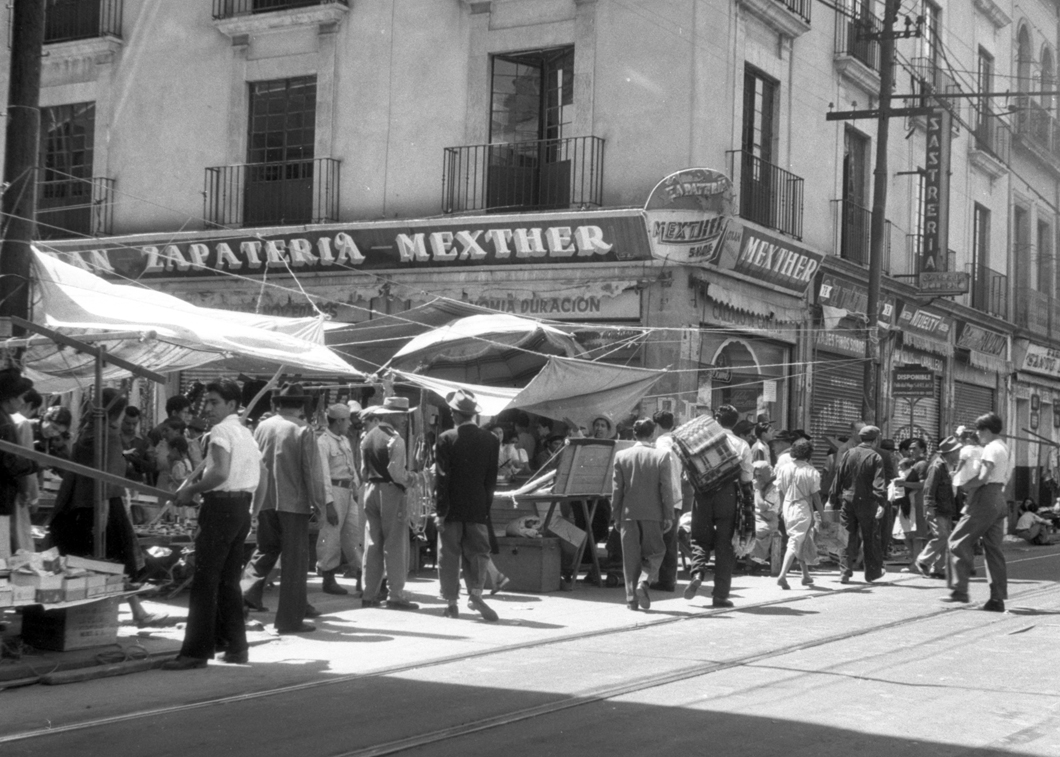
494	349
186	336
369	345
565	388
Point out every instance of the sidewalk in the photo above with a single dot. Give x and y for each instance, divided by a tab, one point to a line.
376	639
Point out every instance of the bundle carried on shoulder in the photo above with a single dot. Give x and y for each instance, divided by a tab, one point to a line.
707	453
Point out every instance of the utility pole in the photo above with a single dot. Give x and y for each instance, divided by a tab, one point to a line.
871	404
19	203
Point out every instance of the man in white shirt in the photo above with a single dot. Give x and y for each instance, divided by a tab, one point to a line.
983	517
714	518
227	485
341	532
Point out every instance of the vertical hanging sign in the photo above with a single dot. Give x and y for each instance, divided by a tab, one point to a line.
936	200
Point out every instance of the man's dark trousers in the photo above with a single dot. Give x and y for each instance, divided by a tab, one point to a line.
215	608
668	569
286	534
860	522
713	523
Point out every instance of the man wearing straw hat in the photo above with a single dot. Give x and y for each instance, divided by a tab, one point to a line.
293	490
386	533
466	458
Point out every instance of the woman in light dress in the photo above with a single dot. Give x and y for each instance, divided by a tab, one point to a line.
800	500
767	512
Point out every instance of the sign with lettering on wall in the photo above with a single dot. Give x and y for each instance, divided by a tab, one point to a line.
913	381
934	232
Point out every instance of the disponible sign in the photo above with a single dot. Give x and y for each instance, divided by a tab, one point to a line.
913	381
552	239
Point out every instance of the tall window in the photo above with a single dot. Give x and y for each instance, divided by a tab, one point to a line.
1024	63
531	155
980	237
280	140
1048	80
1044	262
932	41
984	83
759	114
856	218
65	180
1021	244
533	95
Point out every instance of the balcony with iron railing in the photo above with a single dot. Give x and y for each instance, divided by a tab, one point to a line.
261	194
1033	310
853	233
1037	126
857	57
989	291
72	207
229	8
789	18
533	175
990	147
768	195
71	20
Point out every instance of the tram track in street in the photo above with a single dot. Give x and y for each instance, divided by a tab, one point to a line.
593	695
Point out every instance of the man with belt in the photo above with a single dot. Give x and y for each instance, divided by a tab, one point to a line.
293	490
227	485
714	518
860	492
386	533
467	476
983	518
341	531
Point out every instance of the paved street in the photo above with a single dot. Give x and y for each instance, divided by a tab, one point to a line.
885	669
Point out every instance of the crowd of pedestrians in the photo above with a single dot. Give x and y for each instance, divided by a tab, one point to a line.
352	473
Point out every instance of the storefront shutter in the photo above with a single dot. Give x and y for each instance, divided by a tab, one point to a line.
926	418
970	401
836	402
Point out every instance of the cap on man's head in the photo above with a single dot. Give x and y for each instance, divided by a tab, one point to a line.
338	412
869	433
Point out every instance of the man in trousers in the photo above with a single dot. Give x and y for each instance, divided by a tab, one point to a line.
227	485
466	463
642	505
983	518
860	493
293	490
714	518
343	533
386	534
664	441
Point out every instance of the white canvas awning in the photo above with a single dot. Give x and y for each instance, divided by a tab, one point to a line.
69	298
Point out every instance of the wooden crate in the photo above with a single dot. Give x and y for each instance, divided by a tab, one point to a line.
531	564
88	625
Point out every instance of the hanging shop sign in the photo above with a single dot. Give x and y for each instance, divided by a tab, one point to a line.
719	314
924	322
936	198
530	239
776	261
689	215
841	341
837	292
977	338
912	381
1042	360
945	283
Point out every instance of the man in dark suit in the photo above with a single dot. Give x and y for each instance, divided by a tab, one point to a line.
642	504
466	464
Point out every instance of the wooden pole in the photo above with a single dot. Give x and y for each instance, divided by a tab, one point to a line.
98	428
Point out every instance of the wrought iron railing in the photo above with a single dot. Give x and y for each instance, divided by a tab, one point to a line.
230	8
545	173
769	195
68	20
800	8
74	207
850	38
1038	125
260	194
1033	310
989	291
853	231
993	136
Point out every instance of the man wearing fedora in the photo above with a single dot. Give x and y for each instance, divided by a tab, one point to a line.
859	493
386	533
466	460
343	533
293	490
939	509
